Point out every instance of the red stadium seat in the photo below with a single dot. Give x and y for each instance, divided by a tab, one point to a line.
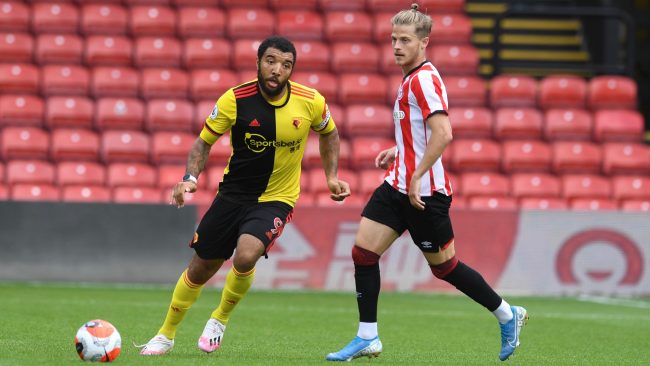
612	92
214	176
200	197
513	91
108	50
2	173
65	80
201	21
466	91
16	47
385	7
104	18
58	49
337	113
206	53
474	123
71	111
169	115
526	156
220	151
85	193
484	184
442	6
492	203
526	185
635	205
131	174
518	123
394	83
21	110
361	88
306	199
562	91
593	204
115	82
312	158
202	110
141	2
451	28
164	83
313	56
119	114
210	84
577	157
14	16
136	195
171	147
244	4
585	186
169	175
455	59
626	158
245	54
369	180
369	120
24	143
318	183
338	5
354	57
80	173
568	124
365	150
29	171
19	78
152	20
4	193
124	145
387	63
74	144
475	155
618	125
543	204
294	4
55	18
352	26
631	187
300	24
157	52
35	192
256	23
324	200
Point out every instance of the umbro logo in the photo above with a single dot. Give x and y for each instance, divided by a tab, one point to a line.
254	123
426	244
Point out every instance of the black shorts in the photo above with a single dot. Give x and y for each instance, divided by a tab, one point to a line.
430	229
225	221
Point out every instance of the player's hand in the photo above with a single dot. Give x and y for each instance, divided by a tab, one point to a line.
178	193
385	158
339	189
414	193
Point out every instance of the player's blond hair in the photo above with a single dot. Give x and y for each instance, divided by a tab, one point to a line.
413	16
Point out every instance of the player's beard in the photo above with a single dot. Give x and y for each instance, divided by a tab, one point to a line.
270	92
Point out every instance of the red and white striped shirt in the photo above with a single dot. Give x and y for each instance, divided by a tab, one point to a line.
421	94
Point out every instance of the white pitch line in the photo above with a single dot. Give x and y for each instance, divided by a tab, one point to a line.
615	301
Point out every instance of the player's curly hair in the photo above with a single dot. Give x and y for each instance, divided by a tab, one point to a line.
278	42
413	16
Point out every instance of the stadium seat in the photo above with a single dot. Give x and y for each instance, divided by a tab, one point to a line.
228	4
451	28
136	195
306	199
382	27
313	56
157	52
526	156
518	124
209	53
170	147
387	63
14	16
201	21
16	47
635	205
466	91
585	186
568	124
24	143
323	200
164	83
562	91
192	3
369	180
537	185
365	150
21	110
200	197
169	115
244	54
471	123
318	183
169	175
58	17
19	78
593	204
543	204
459	202
369	120
394	82
119	114
73	111
210	84
626	158
361	88
4	193
115	82
202	110
293	4
492	203
475	155
213	176
104	18
131	174
454	59
300	24
152	20
85	193
339	5
124	145
577	157
612	92
80	173
74	144
108	50
312	160
30	172
65	80
487	184
441	6
58	49
347	26
354	57
618	125
220	151
250	23
35	192
631	187
513	91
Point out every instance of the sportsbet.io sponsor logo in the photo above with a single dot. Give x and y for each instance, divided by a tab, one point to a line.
258	143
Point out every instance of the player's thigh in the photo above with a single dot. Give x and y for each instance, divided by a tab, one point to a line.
431	229
265	221
374	236
382	220
217	233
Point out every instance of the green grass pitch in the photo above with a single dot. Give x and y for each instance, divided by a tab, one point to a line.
38	323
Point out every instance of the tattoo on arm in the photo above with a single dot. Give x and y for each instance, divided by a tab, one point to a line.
197	157
329	153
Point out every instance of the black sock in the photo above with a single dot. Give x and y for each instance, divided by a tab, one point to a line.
367	282
472	284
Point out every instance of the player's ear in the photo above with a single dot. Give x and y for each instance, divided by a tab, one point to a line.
425	42
257	64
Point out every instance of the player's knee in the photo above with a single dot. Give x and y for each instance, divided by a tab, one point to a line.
443	269
364	257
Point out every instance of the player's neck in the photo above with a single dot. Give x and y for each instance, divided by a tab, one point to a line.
407	68
276	97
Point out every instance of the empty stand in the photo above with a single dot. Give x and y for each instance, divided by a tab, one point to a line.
577	157
622	158
466	91
635	205
30	172
369	120
108	50
318	183
171	147
65	80
251	23
440	6
513	91
618	125
538	185
74	144
631	188
387	62
354	26
361	88
612	92
58	17
201	21
115	82
382	27
365	150
451	28
333	5
325	83
200	197
73	111
369	180
454	59
244	54
206	53
518	123
492	203
123	146
228	4
119	114
136	195
4	192
484	184
202	110
104	18
312	158
293	4
14	16
169	175
543	204
587	186
324	200
210	84
473	123
475	155
34	192
24	143
300	24
85	193
164	83
131	174
562	91
526	156
153	20
157	52
21	110
312	56
80	173
220	151
58	49
568	124
169	115
213	176
16	47
593	204
19	78
354	57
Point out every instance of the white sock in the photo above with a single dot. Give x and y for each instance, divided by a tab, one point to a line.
367	330
503	312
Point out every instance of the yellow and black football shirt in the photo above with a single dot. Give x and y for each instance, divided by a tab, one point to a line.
268	140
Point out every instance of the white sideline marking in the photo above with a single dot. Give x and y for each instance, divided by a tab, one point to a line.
615	301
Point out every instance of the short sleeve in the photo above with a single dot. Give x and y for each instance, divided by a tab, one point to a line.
322	121
429	93
221	119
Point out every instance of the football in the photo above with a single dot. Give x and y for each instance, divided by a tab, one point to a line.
98	340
